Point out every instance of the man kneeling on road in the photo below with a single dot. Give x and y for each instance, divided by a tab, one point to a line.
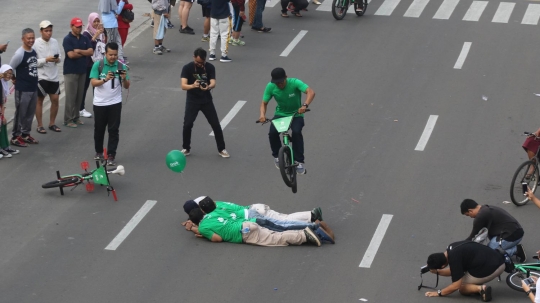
500	224
470	265
222	225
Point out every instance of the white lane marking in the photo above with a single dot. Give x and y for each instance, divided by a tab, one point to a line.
446	9
532	14
427	132
503	12
463	55
475	11
124	233
387	7
376	241
416	8
293	43
271	3
236	108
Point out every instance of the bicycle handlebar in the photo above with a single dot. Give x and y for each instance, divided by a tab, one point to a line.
528	134
268	120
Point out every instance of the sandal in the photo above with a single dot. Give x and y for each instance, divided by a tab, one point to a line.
41	130
284	15
55	128
297	14
485	292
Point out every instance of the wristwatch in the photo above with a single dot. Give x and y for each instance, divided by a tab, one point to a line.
439	292
306	105
527	293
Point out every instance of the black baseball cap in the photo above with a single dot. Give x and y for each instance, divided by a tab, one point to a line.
278	75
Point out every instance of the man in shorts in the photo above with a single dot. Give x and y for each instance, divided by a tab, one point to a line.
206	25
183	14
238	18
160	7
48	56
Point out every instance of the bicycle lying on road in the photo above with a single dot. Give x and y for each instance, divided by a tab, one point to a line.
99	176
523	271
287	166
526	174
340	7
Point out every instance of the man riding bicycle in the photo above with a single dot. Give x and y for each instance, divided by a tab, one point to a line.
287	91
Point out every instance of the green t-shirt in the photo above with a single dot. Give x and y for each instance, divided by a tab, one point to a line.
289	99
230	206
226	224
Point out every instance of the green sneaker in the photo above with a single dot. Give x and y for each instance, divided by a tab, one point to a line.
238	42
205	39
317	213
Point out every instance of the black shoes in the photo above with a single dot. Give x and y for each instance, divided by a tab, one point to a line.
520	254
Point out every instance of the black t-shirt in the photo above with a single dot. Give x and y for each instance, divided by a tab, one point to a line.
192	72
219	9
476	259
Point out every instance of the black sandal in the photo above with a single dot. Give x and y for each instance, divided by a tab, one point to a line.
486	293
55	128
41	130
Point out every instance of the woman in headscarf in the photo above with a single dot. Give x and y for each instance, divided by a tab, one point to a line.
94	33
6	73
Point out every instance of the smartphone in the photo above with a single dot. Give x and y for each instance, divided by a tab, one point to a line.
529	281
525	188
56	56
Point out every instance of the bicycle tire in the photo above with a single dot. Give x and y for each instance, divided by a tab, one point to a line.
339	8
514	280
285	165
364	8
516	190
70	181
294	186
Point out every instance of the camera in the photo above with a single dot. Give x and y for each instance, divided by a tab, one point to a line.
529	281
120	72
203	82
424	269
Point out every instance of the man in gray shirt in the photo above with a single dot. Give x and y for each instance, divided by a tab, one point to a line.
500	224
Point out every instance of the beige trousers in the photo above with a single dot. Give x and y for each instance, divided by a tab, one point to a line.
264	210
264	237
468	279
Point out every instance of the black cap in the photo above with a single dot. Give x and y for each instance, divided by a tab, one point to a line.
190	205
278	75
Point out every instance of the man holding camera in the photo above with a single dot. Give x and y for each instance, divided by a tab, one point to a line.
502	227
198	78
470	265
108	76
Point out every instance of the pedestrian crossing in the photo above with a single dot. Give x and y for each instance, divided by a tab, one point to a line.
447	9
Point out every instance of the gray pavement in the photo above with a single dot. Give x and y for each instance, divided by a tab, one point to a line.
377	80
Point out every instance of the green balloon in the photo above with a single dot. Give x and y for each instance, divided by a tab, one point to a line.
176	161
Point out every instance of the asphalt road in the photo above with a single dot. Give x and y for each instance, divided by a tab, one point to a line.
377	81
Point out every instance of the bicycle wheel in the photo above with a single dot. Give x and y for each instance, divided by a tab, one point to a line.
70	181
364	7
339	8
294	182
527	172
514	280
285	165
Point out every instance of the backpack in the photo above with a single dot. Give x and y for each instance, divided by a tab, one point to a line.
127	15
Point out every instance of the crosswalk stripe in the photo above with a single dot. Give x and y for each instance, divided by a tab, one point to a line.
503	12
325	6
416	8
532	14
475	11
446	9
387	7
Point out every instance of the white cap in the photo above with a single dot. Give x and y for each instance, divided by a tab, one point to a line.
199	199
45	24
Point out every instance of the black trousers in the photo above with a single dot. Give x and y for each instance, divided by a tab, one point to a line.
209	111
298	5
107	117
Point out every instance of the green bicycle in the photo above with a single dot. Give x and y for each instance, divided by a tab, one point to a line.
340	7
523	271
99	176
527	174
287	166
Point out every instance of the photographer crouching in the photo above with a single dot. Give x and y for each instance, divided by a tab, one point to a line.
470	265
108	76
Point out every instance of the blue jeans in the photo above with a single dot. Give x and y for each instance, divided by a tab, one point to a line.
509	247
297	139
278	225
257	22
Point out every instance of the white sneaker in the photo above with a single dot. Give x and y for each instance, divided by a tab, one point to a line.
5	154
84	113
316	2
185	152
224	154
276	162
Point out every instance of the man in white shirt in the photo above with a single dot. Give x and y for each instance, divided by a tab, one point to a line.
108	76
48	54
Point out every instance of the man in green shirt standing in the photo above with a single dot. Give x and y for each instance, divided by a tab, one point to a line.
287	91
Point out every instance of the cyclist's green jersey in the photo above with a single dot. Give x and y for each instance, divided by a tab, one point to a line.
224	223
289	99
